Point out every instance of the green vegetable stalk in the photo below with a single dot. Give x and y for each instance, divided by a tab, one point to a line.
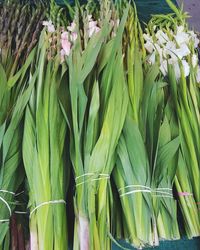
44	152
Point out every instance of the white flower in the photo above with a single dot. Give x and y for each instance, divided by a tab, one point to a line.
92	24
51	28
198	75
182	38
89	17
180	29
72	27
147	38
49	25
46	23
176	67
149	47
177	71
182	51
194	60
170	45
194	39
163	67
196	42
152	58
162	37
170	49
186	68
73	36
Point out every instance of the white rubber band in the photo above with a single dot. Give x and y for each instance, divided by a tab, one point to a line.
7	205
6	191
164	189
19	193
162	192
10	192
106	176
157	192
89	174
20	212
166	196
129	186
2	221
83	175
135	191
47	203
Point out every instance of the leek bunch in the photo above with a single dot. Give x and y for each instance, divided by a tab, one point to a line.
132	172
145	167
95	114
44	149
182	75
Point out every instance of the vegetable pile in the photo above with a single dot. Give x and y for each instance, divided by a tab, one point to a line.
99	126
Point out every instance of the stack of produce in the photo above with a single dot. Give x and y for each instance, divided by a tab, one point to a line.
97	106
173	46
93	107
15	60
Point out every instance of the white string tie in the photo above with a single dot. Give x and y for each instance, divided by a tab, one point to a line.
9	209
47	203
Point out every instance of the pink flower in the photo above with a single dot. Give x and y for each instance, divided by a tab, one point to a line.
72	27
62	55
92	24
65	35
66	46
73	36
93	30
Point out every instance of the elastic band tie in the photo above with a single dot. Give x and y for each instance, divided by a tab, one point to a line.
129	186
6	191
83	175
184	194
164	196
163	192
135	191
20	212
7	205
160	192
19	193
47	203
104	176
164	189
10	192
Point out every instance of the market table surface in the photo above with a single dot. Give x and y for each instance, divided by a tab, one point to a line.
183	244
193	8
